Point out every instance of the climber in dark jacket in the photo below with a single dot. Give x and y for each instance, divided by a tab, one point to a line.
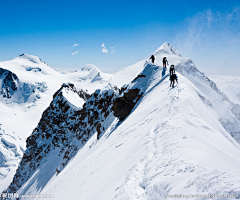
171	70
173	77
165	62
152	58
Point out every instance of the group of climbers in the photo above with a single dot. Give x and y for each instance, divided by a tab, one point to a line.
173	76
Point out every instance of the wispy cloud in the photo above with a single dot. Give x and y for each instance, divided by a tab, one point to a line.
112	50
75	45
104	49
74	53
211	39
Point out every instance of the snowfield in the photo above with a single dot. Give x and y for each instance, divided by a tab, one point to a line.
183	140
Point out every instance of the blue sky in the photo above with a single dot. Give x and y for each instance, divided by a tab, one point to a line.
206	31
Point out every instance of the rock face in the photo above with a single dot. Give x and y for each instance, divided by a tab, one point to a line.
9	83
123	106
62	131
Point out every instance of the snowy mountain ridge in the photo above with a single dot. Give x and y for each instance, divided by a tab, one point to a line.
229	115
168	146
139	139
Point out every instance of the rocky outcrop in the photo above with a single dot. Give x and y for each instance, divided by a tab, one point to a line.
9	83
138	76
123	106
63	130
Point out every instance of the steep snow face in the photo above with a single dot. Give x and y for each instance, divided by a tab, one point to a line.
171	143
167	49
228	112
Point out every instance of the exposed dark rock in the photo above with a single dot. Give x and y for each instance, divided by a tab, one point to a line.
139	76
122	106
9	83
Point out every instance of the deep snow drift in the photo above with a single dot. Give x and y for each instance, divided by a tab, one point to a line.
181	140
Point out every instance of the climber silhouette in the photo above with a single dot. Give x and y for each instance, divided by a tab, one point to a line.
173	77
165	62
172	70
152	58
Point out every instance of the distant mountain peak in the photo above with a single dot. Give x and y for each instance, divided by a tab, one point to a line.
89	67
167	48
30	58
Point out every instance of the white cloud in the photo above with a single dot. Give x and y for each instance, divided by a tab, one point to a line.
111	49
104	49
74	53
75	45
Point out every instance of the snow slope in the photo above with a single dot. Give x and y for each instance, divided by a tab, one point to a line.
171	143
181	140
230	85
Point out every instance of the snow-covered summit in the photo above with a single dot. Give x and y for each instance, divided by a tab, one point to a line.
29	63
30	58
167	48
90	71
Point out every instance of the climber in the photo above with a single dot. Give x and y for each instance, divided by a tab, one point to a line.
173	77
153	58
165	62
171	70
